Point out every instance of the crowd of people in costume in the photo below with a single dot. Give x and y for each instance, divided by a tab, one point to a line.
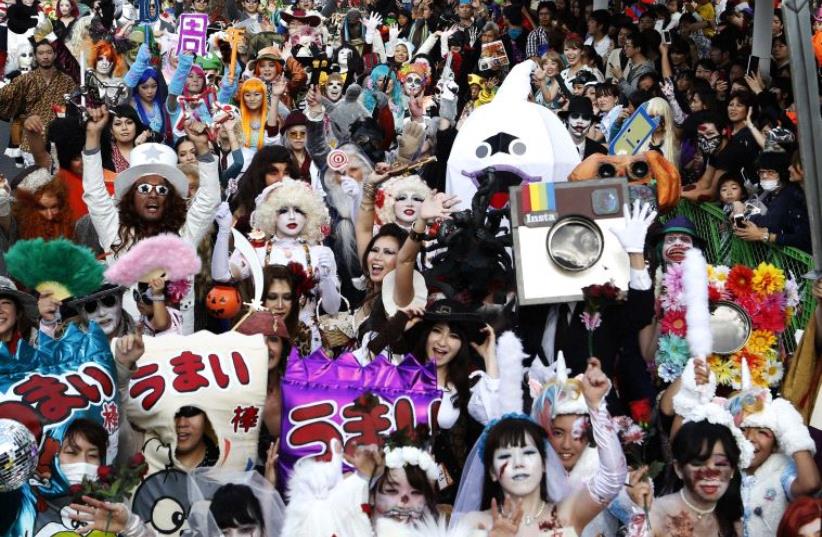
266	270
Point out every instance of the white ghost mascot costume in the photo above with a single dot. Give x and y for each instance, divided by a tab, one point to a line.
523	141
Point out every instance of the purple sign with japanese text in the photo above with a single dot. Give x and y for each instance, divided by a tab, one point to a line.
318	398
193	28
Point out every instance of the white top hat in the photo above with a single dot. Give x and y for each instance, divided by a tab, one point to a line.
151	159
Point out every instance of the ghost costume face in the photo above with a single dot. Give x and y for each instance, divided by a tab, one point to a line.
25	57
494	135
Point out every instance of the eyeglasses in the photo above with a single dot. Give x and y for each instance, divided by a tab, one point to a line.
145	189
299	135
141	298
108	301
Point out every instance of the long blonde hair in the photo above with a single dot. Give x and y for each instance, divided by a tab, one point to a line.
659	107
256	85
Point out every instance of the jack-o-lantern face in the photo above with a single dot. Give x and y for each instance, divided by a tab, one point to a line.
223	302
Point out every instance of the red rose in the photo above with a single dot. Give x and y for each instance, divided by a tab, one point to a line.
641	410
104	472
136	460
609	291
714	294
75	489
366	508
593	291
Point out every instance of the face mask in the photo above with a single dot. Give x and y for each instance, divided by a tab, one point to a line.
708	145
514	33
769	185
75	472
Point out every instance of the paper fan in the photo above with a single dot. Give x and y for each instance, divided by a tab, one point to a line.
60	266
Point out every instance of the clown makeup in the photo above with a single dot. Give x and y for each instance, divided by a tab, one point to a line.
674	247
104	65
518	469
707	481
412	85
267	70
406	207
400	54
578	126
107	312
764	445
253	100
290	222
194	82
442	344
398	500
568	438
334	89
381	258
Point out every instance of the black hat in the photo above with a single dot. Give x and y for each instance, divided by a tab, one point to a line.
584	77
580	106
452	312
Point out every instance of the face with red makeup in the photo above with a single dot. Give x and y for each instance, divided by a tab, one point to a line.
674	246
707	481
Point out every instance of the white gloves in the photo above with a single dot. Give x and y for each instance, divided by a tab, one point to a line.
792	433
371	24
692	395
326	267
637	221
5	202
223	218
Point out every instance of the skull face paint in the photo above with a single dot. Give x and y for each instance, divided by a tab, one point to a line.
412	85
397	499
674	247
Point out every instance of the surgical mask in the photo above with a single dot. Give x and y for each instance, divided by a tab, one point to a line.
76	471
769	185
514	33
708	145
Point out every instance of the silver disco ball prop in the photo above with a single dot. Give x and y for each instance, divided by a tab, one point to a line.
18	455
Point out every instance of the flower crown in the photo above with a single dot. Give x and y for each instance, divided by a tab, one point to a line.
397	457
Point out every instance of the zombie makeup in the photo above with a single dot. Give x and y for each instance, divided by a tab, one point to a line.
708	481
518	469
398	500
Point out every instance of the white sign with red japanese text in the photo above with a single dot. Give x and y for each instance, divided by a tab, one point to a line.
223	375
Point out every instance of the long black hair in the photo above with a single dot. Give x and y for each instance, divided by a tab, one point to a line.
378	316
694	443
510	432
235	505
417	478
252	181
457	370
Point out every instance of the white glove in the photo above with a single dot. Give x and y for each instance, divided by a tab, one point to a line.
393	33
637	221
371	24
349	186
326	266
691	394
792	434
224	218
5	200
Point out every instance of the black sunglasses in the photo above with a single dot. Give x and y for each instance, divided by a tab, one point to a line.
141	298
108	301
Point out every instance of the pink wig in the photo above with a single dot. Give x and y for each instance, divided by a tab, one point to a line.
167	252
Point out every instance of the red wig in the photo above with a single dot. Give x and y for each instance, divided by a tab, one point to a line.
107	50
75	12
800	512
32	224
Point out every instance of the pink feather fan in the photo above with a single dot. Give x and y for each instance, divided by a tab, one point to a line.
164	255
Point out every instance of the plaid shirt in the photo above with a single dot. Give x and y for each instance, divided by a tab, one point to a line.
536	38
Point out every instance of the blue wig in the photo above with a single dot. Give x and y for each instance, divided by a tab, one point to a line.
381	70
159	101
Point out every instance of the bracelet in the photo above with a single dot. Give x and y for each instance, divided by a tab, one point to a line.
417	236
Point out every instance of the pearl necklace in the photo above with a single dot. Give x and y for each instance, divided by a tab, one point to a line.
529	520
700	513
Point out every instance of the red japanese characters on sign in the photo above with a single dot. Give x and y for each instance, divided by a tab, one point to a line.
189	373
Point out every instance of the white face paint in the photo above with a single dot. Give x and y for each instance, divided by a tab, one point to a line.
398	500
342	59
108	312
334	89
406	207
518	469
674	247
25	58
412	86
290	222
578	126
104	66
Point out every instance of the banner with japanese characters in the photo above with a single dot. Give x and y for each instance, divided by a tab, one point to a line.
224	376
47	388
322	400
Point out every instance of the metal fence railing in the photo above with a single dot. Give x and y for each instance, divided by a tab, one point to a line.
723	248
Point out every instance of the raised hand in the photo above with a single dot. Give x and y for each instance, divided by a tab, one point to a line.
271	457
97	120
48	307
639	488
505	525
595	384
637	222
99	515
278	86
439	205
130	348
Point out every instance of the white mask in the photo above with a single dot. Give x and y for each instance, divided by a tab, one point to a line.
76	471
334	90
25	59
769	185
108	317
